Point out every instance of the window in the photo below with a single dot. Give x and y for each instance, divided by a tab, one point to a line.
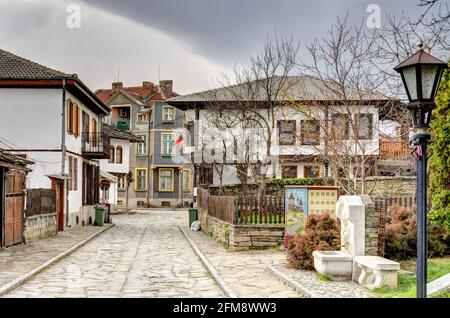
73	118
119	154
167	144
341	126
142	117
166	181
311	171
168	114
364	122
286	132
141	147
289	172
141	180
73	173
310	131
121	183
187	180
111	154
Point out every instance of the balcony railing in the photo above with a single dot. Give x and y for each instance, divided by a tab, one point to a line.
123	125
393	149
95	145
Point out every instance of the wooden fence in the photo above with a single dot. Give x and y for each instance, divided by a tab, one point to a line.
382	206
223	208
202	198
262	210
243	209
40	201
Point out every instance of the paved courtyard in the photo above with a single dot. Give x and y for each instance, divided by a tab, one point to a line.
144	255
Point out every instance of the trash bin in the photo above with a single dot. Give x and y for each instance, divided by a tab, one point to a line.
99	215
192	216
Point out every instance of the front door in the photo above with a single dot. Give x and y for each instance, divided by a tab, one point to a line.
58	186
14	207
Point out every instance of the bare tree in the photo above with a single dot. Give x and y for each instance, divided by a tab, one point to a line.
343	84
429	17
249	102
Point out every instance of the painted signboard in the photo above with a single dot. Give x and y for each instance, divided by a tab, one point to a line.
322	200
301	201
296	207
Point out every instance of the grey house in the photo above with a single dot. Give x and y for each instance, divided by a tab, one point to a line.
159	179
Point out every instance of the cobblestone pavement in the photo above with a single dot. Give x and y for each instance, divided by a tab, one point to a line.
144	255
325	289
20	259
246	271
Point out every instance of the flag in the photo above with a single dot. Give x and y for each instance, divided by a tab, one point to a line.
179	140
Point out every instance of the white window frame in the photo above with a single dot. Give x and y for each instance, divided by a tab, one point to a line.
139	144
171	112
164	142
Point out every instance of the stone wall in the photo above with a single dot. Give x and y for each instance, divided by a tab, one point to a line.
372	223
38	227
381	187
241	237
392	186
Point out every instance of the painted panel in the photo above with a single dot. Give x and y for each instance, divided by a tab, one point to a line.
296	207
322	201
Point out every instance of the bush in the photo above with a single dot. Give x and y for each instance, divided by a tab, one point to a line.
401	235
322	233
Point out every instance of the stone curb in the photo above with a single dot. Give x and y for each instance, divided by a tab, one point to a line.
229	293
286	280
8	287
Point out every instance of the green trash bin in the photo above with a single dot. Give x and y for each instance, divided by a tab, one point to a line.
99	215
192	216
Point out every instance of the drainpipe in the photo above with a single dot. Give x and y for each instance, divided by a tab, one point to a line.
63	151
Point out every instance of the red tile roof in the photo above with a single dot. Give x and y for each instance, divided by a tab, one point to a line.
138	92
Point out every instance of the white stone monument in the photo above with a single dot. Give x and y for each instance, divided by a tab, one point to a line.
350	210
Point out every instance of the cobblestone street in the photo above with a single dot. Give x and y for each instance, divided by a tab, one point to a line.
144	255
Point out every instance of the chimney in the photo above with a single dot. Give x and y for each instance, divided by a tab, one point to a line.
166	86
148	86
117	85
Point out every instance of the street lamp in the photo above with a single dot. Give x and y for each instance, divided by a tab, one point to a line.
421	74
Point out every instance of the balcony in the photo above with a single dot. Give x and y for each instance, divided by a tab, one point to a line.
95	145
123	125
393	150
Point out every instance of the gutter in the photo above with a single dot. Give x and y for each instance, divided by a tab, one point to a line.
63	150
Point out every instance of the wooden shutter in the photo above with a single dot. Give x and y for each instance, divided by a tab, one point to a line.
70	173
75	174
69	116
76	121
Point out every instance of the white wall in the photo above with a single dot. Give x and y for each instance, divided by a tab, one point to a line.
74	148
30	119
124	167
212	136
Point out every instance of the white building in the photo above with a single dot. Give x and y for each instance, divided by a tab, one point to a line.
303	114
55	120
113	171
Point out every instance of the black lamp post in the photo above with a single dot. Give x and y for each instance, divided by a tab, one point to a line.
421	74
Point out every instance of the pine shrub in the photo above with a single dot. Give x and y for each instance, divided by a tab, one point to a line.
401	235
322	233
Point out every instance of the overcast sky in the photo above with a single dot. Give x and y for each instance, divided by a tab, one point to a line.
190	41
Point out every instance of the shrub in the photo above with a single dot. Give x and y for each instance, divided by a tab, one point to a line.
401	235
322	233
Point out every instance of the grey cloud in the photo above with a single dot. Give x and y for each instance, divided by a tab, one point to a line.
229	30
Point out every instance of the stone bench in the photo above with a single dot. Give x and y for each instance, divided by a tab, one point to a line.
377	271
